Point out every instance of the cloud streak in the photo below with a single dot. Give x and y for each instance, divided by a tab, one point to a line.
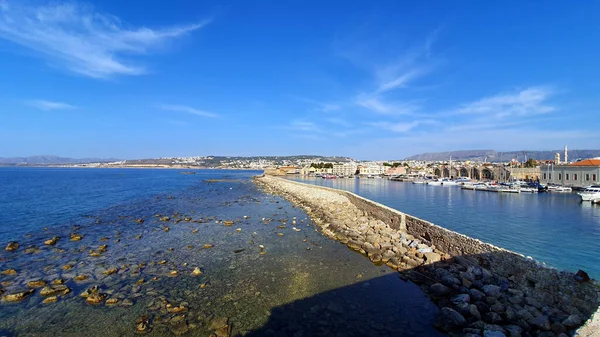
83	40
379	106
526	102
187	109
50	105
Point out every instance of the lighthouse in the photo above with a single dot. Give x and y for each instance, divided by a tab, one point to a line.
566	155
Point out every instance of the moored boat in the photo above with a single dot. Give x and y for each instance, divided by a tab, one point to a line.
559	189
591	193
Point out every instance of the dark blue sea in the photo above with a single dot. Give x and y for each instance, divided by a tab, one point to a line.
185	254
553	228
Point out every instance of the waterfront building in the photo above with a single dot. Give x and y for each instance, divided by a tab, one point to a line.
523	173
345	169
579	174
395	171
372	169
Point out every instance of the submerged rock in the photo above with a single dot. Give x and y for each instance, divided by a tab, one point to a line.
50	299
16	297
52	241
142	324
112	301
36	284
76	237
110	271
81	277
9	272
54	289
12	246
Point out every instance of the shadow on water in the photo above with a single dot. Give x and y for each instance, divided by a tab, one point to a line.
384	306
526	302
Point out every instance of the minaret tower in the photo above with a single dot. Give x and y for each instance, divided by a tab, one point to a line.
566	155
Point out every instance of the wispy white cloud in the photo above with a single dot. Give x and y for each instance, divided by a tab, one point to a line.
187	109
50	105
83	40
320	106
339	121
390	77
399	81
379	106
526	102
305	126
308	136
400	127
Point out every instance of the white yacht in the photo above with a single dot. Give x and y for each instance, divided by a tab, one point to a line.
559	189
590	193
449	182
435	182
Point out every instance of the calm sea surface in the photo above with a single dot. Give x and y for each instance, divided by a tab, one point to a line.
258	275
553	228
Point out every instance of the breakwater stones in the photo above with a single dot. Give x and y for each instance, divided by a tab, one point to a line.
482	290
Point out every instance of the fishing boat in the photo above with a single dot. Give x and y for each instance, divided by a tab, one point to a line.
591	193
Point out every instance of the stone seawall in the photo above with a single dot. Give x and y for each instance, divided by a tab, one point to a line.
482	289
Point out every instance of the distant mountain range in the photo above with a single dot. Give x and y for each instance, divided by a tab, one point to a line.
50	160
494	156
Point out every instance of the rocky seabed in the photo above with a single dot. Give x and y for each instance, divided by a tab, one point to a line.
495	293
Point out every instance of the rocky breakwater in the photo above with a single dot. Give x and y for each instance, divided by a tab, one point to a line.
482	290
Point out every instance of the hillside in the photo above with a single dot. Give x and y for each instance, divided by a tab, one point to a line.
492	155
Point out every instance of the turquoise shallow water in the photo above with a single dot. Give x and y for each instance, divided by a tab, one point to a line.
298	284
553	228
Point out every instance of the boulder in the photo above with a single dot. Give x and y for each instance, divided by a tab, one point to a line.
572	322
513	330
439	290
432	257
492	290
449	319
461	298
541	322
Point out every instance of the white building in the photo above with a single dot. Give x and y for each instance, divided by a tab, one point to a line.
346	169
373	169
579	174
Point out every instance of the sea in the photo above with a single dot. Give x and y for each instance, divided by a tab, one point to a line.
555	229
192	252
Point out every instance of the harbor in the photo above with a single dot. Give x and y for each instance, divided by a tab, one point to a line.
501	301
554	228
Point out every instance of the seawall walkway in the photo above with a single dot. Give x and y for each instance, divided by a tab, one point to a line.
481	289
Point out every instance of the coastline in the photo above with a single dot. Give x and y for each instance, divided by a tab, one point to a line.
480	287
173	167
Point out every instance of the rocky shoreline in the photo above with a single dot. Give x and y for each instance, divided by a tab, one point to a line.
482	290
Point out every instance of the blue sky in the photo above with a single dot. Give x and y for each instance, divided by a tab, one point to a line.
370	80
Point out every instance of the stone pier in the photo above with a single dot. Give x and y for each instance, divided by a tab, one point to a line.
482	290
